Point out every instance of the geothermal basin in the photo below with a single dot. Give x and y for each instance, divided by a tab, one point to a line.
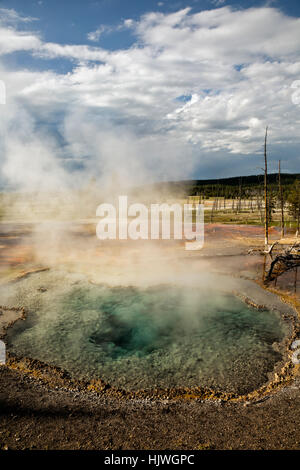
199	332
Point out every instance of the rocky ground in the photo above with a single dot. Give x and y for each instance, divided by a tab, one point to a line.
33	416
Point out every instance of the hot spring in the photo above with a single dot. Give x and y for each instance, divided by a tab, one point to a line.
167	335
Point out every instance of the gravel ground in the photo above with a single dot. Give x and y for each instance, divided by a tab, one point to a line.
33	416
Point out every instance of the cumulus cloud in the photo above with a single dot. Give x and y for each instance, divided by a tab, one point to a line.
10	16
95	35
11	39
218	2
123	108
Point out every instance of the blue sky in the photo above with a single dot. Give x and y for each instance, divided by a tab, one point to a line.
69	21
147	89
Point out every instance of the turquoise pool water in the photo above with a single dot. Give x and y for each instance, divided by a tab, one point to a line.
160	336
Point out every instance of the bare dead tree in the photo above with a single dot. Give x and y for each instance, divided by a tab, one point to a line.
239	204
212	211
251	202
286	261
281	200
266	193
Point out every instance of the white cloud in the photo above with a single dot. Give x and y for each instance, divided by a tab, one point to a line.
12	41
218	3
10	16
75	52
95	35
120	109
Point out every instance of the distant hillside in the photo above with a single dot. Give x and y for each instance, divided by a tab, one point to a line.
228	187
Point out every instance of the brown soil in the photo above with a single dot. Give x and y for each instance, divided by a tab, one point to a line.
37	417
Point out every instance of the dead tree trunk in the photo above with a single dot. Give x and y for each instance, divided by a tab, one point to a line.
266	193
284	262
281	201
